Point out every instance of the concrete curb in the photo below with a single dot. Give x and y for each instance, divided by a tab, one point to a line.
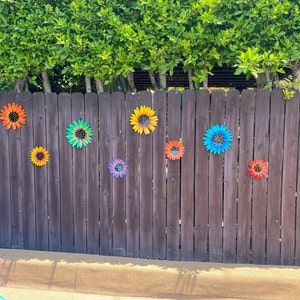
145	278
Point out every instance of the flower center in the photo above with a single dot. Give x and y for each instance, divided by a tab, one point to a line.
257	168
13	116
40	156
80	133
118	168
144	120
218	139
174	150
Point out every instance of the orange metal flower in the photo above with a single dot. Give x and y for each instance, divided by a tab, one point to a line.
174	150
13	116
258	169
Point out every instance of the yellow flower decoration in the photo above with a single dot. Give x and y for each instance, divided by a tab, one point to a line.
143	119
39	156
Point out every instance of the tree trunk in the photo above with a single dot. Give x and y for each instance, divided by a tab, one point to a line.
153	81
190	75
99	86
205	83
88	85
46	82
297	72
263	80
123	83
130	80
20	85
162	81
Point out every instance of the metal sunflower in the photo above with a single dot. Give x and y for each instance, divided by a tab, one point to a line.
174	149
217	139
258	169
13	116
118	168
39	156
143	119
79	133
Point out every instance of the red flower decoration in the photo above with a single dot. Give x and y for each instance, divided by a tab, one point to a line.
258	169
174	150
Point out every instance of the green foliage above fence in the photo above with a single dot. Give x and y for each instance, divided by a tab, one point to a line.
107	40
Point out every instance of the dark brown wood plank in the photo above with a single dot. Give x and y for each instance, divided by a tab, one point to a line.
231	178
245	183
52	131
146	205
78	176
119	184
201	177
28	175
105	116
187	175
173	177
275	177
5	215
216	183
289	181
65	171
15	162
261	150
132	181
92	175
159	178
40	173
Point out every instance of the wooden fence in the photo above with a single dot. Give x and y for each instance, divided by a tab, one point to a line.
203	208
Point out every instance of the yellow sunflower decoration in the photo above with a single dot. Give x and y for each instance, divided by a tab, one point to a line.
143	119
39	156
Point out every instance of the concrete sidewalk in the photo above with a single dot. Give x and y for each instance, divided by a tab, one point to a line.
114	276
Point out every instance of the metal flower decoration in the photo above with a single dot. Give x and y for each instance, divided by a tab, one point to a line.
174	150
79	133
143	119
39	156
258	169
217	139
118	168
13	116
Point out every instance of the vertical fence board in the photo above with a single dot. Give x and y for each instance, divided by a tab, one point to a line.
5	207
187	175
297	233
159	178
105	116
231	178
53	172
173	177
78	176
132	181
146	167
261	149
201	177
216	183
65	171
40	173
28	175
275	177
92	175
245	185
15	149
289	180
119	184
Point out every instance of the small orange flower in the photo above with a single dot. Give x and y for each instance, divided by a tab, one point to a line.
174	149
258	169
13	116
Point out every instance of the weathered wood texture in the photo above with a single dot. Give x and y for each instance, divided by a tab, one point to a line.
203	207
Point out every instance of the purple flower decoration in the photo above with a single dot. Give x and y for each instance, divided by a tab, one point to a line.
118	168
